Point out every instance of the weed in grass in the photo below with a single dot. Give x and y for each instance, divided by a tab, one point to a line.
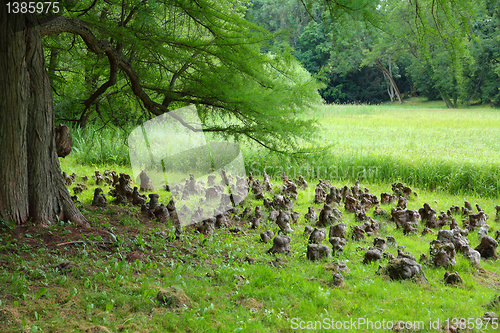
129	221
6	226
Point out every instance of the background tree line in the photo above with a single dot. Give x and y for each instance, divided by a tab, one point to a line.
374	51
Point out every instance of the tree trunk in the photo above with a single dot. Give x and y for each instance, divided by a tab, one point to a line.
31	184
391	80
390	88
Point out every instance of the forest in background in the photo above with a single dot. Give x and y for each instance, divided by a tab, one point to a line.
367	56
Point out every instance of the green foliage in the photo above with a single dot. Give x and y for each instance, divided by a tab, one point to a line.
364	85
437	49
285	18
483	79
313	47
6	225
42	291
423	146
181	52
421	75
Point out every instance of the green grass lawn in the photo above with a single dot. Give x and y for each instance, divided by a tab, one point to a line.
457	151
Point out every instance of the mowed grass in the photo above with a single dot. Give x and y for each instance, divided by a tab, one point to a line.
423	144
415	135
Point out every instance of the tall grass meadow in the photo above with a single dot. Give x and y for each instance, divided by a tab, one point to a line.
456	151
421	144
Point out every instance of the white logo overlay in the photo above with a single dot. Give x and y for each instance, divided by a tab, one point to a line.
205	179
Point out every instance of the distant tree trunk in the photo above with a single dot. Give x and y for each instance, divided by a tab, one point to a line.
31	184
390	88
393	87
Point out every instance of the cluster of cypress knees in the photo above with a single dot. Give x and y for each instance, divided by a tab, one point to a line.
279	210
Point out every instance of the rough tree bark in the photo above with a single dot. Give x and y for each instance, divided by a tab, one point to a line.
31	184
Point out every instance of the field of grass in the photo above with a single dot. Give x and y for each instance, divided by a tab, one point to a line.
107	290
420	143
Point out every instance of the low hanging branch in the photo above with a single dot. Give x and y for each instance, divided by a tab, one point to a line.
102	89
60	24
391	79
